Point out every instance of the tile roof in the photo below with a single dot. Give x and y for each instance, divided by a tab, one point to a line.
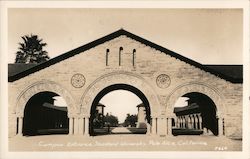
18	72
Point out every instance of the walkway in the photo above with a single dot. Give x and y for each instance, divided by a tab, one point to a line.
121	130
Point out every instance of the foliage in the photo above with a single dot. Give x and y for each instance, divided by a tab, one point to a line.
110	120
130	120
98	121
31	50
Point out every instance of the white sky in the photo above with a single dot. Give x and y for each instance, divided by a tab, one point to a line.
209	36
120	103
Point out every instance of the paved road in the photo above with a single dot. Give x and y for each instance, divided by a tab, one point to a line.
121	130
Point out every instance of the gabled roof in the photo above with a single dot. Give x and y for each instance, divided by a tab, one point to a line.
233	71
17	68
110	37
51	106
185	108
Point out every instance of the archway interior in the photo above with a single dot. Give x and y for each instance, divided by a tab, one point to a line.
105	91
197	116
43	117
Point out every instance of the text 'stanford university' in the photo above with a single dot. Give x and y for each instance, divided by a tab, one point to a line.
122	60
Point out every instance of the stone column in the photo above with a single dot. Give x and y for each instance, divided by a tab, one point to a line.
177	122
169	120
180	121
75	126
20	126
80	124
196	121
153	126
193	121
86	126
184	122
148	128
189	122
200	121
71	126
220	126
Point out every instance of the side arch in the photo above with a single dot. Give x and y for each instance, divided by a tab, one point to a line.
43	86
119	78
208	90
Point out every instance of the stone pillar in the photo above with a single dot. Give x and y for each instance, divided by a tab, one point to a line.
20	126
196	122
86	126
154	126
71	126
148	129
193	121
200	121
161	125
80	124
205	131
189	122
175	121
75	126
169	120
220	127
183	122
180	121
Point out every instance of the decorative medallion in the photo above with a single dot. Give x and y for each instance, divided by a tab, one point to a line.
78	80
163	81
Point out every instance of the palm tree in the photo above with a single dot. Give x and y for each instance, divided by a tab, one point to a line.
31	50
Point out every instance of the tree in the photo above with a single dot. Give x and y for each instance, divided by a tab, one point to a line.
130	120
98	121
111	120
31	50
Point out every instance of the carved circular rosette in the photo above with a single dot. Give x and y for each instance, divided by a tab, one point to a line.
78	80
163	81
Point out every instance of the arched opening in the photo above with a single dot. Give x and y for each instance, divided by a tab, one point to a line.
104	127
45	113
195	115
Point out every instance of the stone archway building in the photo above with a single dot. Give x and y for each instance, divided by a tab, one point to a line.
124	58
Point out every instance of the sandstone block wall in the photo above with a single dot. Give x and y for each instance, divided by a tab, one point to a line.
149	63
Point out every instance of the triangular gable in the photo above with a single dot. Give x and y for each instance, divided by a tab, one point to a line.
110	37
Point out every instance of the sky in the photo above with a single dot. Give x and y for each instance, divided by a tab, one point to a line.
208	36
120	107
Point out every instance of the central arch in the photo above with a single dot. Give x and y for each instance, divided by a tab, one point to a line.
118	87
115	78
120	79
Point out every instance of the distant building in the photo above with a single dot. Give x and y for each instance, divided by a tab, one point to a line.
141	117
98	121
100	109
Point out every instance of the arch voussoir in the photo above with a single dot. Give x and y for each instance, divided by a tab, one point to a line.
208	90
42	86
119	78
